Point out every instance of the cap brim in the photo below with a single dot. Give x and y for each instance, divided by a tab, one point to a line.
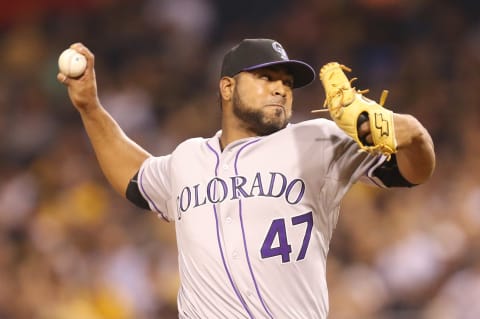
303	74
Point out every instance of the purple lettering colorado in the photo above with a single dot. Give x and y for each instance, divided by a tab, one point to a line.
218	190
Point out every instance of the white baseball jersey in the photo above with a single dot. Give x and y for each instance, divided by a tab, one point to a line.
254	221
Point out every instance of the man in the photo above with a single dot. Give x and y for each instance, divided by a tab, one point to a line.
255	205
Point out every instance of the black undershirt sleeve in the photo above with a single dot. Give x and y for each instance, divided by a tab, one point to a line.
390	175
133	193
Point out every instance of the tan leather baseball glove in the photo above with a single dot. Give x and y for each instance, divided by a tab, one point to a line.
347	105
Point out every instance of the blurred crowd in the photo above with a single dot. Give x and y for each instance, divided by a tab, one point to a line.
71	248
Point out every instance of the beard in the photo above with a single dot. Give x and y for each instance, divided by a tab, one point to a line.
259	121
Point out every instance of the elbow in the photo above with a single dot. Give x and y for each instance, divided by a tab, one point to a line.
428	161
421	174
420	168
415	152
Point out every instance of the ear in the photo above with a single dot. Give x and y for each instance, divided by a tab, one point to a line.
226	86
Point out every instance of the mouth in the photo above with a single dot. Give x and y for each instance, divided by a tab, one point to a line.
275	105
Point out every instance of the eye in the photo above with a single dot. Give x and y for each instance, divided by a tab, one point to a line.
288	83
265	77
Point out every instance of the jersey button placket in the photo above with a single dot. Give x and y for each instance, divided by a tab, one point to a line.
232	233
228	208
233	230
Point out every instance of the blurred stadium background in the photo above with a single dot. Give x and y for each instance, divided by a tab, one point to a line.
71	248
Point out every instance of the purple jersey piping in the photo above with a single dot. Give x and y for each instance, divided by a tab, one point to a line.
148	197
235	289
240	212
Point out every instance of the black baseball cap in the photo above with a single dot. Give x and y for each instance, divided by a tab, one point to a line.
251	54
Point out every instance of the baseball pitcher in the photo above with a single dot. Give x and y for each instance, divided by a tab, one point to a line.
255	205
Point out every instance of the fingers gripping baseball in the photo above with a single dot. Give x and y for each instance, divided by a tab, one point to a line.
74	62
348	107
81	83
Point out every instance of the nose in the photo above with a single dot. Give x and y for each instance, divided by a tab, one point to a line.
279	88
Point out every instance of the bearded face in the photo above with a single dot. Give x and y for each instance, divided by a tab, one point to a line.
262	121
262	100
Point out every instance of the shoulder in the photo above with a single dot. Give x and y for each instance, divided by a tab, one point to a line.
190	145
185	148
322	123
192	142
318	126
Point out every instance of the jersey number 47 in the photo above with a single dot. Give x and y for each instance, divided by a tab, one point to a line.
277	235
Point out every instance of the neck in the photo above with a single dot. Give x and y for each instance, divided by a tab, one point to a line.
229	137
233	130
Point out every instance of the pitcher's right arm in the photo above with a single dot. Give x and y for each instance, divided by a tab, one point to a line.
119	157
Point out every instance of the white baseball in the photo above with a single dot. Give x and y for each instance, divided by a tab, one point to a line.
71	63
